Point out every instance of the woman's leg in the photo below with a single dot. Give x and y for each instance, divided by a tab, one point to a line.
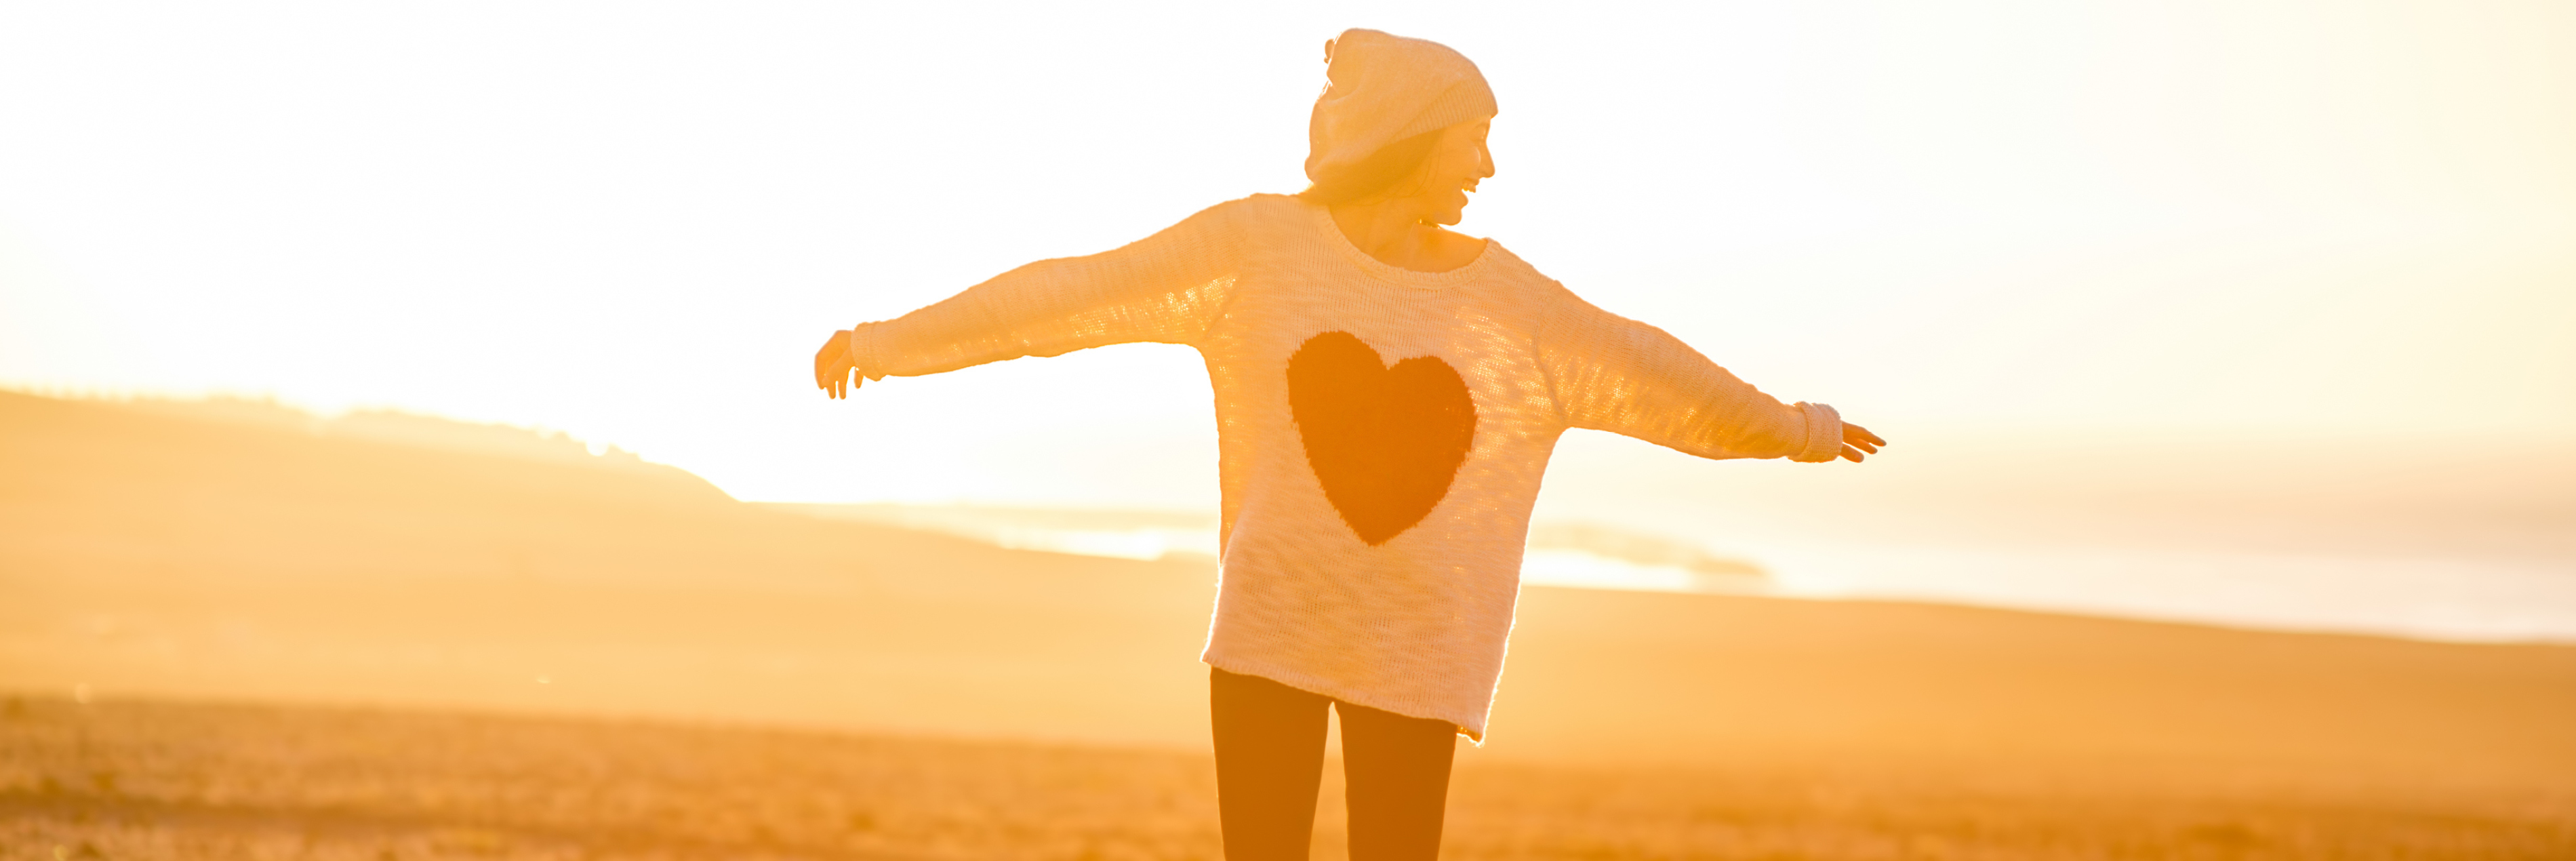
1269	761
1396	770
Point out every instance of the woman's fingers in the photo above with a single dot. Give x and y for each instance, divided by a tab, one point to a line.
1859	443
1857	434
833	381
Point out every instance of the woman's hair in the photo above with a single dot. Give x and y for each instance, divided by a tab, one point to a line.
1380	171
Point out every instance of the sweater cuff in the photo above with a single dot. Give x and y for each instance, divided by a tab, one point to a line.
863	351
1824	434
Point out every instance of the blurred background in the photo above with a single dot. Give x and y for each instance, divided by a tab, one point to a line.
455	356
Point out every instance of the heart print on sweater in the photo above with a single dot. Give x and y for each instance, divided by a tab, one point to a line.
1385	442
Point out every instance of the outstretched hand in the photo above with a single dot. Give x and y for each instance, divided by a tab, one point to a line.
1859	443
832	367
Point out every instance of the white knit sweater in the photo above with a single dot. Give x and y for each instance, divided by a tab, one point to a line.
1382	431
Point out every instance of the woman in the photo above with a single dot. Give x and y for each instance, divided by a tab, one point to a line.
1387	394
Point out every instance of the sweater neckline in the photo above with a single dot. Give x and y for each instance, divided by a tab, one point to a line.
1323	218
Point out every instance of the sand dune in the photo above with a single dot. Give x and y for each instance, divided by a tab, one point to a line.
147	554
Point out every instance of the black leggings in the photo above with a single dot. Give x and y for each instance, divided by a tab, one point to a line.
1270	759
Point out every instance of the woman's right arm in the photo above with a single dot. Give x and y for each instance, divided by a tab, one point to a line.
1165	288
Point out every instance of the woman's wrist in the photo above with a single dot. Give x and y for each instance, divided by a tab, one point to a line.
1824	434
861	352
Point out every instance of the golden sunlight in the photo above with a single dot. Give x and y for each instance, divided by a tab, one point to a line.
1236	435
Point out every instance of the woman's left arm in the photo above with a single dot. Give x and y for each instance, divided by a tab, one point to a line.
1619	375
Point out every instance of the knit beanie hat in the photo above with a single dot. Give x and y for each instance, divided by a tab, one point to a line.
1387	88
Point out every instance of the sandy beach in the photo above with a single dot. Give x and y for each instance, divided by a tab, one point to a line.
152	779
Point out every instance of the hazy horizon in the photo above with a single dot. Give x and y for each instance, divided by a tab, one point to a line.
2430	543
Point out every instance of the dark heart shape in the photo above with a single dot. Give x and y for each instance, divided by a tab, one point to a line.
1384	441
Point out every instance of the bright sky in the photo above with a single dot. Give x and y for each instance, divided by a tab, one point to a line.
635	222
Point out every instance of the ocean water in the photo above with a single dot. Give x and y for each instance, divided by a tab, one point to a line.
2458	599
1582	556
2398	537
2441	542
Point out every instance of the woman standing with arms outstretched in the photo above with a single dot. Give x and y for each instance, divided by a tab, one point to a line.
1387	394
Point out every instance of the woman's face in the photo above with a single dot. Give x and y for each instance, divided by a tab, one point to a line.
1456	164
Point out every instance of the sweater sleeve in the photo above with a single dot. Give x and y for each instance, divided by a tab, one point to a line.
1165	288
1619	375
